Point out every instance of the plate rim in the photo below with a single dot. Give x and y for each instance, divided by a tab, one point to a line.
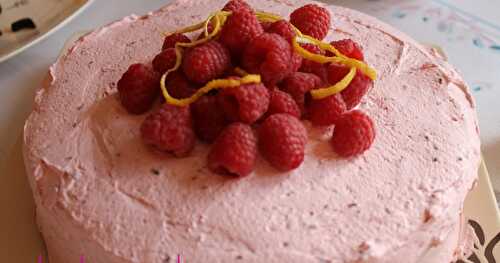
51	31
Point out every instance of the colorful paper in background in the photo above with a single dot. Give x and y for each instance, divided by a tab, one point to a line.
469	33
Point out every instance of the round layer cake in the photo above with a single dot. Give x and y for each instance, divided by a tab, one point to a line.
102	194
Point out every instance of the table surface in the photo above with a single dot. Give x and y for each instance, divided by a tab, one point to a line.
468	31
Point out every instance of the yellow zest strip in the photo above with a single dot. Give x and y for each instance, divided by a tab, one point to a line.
219	21
187	29
207	23
318	94
240	71
301	38
270	17
200	25
339	58
305	39
267	17
217	27
179	46
211	85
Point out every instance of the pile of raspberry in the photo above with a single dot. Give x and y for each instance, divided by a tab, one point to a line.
266	117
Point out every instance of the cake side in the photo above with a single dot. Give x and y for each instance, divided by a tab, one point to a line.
78	141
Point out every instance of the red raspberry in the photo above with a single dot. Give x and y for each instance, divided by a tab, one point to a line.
268	55
358	88
246	103
206	62
173	39
336	72
282	102
312	48
349	48
265	25
165	60
239	29
354	133
234	152
310	66
282	28
178	86
138	88
234	5
326	111
169	130
298	85
208	118
282	141
272	87
296	62
312	20
322	72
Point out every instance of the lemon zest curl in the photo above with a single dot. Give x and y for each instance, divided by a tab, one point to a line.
318	94
211	85
338	57
218	19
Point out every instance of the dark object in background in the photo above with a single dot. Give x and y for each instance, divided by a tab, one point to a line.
24	23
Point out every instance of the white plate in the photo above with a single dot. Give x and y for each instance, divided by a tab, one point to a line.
48	16
20	240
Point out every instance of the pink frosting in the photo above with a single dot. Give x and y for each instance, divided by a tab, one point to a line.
102	194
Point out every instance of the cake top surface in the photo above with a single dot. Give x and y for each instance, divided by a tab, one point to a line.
141	205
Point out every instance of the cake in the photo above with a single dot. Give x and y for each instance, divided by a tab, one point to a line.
103	195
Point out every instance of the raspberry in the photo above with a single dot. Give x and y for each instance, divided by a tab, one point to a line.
326	111
312	48
265	25
206	62
336	72
138	88
272	87
234	152
354	133
349	48
282	28
282	102
178	86
234	5
296	62
169	130
310	66
246	103
298	85
173	39
208	118
282	141
165	60
268	55
210	28
321	71
239	29
312	20
358	88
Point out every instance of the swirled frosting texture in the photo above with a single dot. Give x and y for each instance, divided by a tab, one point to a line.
102	194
